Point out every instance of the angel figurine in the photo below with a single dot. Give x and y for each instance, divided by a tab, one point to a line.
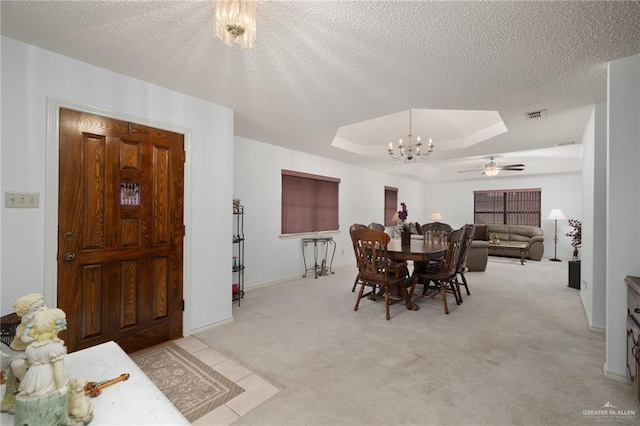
26	307
42	396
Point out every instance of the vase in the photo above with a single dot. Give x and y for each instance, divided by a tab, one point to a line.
405	238
576	257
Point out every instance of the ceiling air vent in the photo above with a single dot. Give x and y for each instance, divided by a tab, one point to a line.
535	114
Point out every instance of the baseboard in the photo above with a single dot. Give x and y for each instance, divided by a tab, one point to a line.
283	280
210	326
270	283
614	376
588	315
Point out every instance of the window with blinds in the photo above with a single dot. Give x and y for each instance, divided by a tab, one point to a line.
309	203
390	204
507	206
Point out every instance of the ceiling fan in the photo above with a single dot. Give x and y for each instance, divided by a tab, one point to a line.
492	168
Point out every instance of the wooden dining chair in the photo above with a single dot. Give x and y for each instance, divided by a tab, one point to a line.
441	274
352	228
469	230
433	227
377	226
378	271
437	227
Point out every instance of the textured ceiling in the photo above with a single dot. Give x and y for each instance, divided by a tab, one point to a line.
319	65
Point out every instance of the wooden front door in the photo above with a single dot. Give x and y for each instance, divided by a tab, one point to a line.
120	232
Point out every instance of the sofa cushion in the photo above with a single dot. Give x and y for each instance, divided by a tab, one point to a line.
495	228
527	231
519	238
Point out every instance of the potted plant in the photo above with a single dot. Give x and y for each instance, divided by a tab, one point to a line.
576	236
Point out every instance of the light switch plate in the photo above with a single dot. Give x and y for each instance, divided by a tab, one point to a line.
21	199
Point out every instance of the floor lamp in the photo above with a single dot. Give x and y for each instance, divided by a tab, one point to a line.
556	214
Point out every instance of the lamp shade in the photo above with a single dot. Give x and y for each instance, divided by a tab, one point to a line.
435	216
395	217
556	214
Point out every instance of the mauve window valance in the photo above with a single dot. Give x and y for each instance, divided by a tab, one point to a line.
309	176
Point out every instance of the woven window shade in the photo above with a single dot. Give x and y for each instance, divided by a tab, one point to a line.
390	205
309	203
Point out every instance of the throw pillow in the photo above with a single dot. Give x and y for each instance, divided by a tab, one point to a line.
481	233
413	228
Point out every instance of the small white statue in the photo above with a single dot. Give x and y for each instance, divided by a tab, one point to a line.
46	372
42	397
25	307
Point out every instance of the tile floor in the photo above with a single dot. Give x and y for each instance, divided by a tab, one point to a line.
257	390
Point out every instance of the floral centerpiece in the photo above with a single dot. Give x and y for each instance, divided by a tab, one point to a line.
403	228
403	214
576	236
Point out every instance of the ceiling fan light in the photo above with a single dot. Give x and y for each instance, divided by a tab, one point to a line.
492	171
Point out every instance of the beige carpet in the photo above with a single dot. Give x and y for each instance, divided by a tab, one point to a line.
191	385
518	351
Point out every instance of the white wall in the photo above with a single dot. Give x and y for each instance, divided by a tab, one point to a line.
257	182
454	199
623	202
594	220
29	76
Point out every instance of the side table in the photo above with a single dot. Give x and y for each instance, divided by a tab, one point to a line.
324	267
574	274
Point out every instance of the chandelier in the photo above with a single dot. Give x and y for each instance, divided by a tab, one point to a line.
410	152
236	22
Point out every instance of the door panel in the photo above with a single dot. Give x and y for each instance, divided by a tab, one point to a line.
120	231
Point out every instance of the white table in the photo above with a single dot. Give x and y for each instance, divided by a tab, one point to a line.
136	401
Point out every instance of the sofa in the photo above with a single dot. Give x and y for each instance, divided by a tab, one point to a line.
478	255
532	235
478	252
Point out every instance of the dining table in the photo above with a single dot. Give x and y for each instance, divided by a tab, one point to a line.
419	250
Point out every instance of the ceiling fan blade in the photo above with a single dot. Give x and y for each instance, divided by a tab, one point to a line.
511	165
472	170
519	169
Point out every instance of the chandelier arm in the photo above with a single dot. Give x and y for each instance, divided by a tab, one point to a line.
390	151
